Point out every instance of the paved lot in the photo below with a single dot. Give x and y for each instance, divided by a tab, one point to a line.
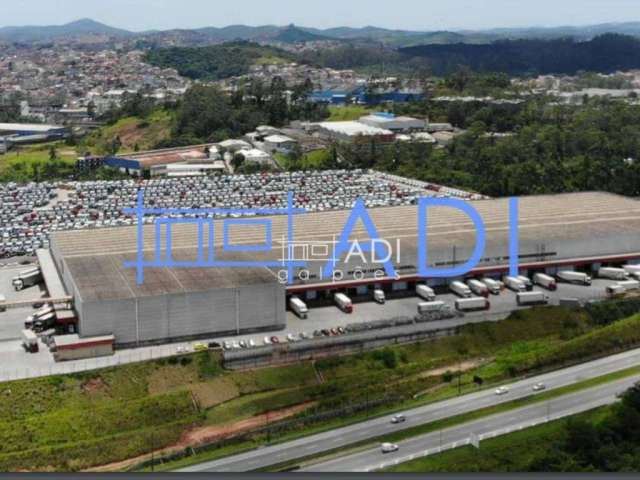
16	363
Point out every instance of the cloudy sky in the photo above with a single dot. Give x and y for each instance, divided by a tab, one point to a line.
405	14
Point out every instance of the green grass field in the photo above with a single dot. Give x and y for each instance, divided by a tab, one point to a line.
348	112
34	163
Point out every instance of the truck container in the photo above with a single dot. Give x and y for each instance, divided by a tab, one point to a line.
30	341
343	302
461	289
379	296
545	281
27	278
472	304
629	285
532	298
3	308
615	290
478	287
493	285
528	284
613	273
425	307
425	293
515	284
633	270
577	278
298	307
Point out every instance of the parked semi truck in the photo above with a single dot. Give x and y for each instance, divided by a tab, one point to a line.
426	293
515	284
28	278
46	310
613	273
30	341
472	304
494	286
343	302
478	287
379	296
577	278
528	284
298	307
532	298
545	281
629	285
461	289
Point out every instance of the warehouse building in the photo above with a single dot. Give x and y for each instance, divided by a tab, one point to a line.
397	124
570	231
354	132
143	164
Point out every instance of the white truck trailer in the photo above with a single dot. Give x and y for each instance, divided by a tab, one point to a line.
629	285
343	302
461	289
298	307
478	287
613	273
545	281
28	278
515	284
494	286
577	278
532	298
633	270
426	293
425	307
472	304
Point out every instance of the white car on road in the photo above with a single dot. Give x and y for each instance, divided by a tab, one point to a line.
389	447
502	391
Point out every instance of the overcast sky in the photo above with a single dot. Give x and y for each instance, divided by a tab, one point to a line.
405	14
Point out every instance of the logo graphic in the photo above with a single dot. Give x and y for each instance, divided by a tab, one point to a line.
380	249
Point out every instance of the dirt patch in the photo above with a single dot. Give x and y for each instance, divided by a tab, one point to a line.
463	367
94	386
208	434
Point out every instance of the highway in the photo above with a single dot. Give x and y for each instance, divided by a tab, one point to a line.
432	443
341	437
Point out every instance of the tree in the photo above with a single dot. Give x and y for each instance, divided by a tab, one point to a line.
53	154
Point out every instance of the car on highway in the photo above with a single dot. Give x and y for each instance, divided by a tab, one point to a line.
251	343
538	387
389	447
502	391
227	345
275	339
243	344
267	341
291	338
398	419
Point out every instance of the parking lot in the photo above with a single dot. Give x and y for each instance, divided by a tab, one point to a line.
16	363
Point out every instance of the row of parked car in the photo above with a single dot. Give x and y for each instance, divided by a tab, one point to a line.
288	338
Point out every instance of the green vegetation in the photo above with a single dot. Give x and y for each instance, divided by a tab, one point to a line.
130	134
217	61
348	112
40	162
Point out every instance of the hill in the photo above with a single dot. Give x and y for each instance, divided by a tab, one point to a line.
293	34
215	62
606	53
81	27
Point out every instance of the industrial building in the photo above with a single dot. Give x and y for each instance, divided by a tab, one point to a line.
397	124
29	129
144	164
568	231
353	132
